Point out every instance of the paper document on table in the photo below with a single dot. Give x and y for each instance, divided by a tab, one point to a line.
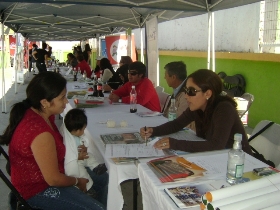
131	150
185	134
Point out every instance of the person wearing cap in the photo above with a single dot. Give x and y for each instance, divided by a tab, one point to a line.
146	93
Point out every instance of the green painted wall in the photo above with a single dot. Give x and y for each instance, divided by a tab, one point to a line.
261	78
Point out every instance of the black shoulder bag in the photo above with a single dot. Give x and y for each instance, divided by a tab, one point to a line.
255	152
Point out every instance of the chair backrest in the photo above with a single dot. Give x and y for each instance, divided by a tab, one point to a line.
22	204
164	98
268	142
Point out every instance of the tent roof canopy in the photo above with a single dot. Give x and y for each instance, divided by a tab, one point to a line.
69	20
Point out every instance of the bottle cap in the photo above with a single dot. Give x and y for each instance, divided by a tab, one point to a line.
238	137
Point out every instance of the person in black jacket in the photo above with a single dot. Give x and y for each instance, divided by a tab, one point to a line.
40	56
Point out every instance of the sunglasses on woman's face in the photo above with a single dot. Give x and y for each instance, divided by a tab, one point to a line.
133	73
191	91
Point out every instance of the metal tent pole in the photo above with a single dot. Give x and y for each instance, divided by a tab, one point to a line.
4	103
213	44
209	40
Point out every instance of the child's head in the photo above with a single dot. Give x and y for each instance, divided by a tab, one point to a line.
76	121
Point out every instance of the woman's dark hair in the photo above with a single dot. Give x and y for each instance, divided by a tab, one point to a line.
45	85
71	55
123	71
139	67
209	80
106	64
126	60
80	57
75	119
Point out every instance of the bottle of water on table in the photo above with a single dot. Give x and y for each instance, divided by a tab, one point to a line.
236	157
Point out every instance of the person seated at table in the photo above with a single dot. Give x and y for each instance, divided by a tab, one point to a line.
176	77
146	93
83	65
78	161
215	115
97	69
72	60
37	152
109	76
122	72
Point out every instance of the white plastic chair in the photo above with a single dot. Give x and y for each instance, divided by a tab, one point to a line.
268	142
164	97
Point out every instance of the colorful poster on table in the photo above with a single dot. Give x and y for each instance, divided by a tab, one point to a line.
116	46
152	50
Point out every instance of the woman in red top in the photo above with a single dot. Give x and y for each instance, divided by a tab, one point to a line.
37	152
83	65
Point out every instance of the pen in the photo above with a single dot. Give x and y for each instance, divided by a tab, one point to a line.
145	135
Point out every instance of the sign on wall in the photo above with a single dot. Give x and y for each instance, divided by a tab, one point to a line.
116	46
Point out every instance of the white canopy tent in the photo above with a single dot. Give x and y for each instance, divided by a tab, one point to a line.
69	20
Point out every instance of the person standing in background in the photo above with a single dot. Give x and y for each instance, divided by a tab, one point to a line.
31	58
87	53
41	56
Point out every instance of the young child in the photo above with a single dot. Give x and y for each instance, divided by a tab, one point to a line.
78	162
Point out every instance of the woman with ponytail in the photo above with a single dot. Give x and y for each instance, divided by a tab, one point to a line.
37	152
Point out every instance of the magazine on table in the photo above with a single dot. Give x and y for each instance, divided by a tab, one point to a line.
186	196
81	93
175	168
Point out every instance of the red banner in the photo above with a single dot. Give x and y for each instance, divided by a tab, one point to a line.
12	42
116	47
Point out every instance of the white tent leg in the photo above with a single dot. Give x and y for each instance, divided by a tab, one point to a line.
4	103
16	62
142	45
209	39
213	43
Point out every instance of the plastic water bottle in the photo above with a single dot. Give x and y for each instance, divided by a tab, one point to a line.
236	157
133	100
172	110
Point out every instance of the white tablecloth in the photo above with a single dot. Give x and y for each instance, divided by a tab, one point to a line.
96	125
153	194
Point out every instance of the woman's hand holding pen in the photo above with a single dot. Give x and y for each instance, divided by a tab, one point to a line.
146	132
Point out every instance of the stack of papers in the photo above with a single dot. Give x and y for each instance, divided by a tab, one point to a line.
148	114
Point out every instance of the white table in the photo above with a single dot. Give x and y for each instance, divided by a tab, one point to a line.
153	194
96	126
